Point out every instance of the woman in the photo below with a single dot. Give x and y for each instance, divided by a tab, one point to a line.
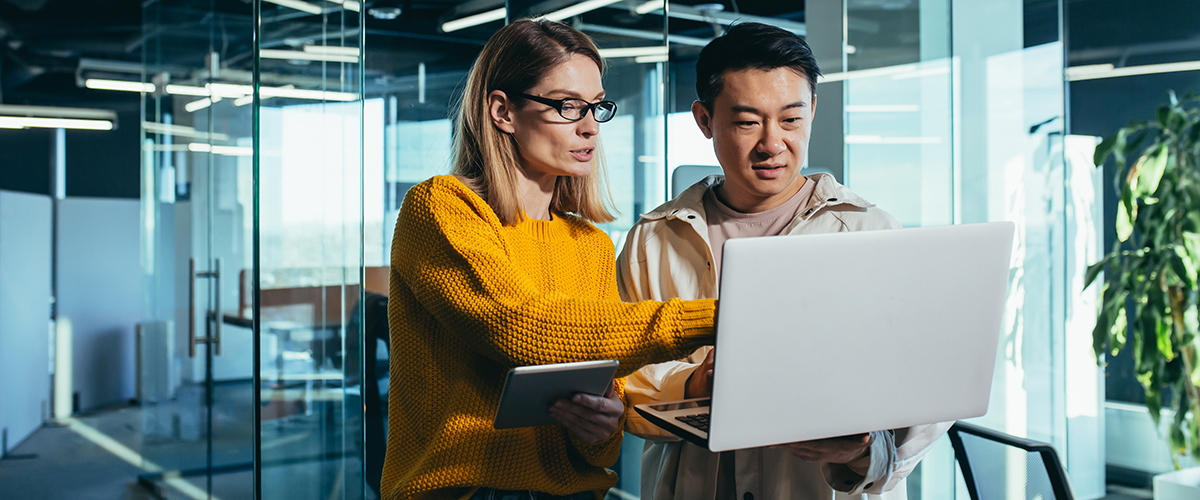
490	270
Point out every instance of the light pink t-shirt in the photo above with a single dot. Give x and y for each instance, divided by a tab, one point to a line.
725	223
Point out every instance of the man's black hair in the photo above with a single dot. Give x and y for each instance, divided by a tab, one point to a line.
752	45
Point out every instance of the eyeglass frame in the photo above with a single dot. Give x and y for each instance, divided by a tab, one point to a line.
557	104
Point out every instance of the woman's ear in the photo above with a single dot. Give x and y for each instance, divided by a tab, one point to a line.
501	111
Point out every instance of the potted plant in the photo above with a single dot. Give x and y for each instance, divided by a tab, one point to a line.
1150	290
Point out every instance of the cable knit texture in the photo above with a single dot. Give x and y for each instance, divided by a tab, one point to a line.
469	299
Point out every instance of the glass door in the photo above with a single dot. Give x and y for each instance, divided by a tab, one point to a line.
197	352
252	250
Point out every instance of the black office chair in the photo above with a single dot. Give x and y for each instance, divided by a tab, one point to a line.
983	457
374	327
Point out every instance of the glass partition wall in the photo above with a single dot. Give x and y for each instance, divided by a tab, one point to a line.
252	249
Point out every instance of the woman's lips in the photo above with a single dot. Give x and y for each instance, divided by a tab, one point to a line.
583	154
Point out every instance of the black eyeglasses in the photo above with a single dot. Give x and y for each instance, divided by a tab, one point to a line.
575	109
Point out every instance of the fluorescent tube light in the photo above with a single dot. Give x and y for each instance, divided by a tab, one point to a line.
122	85
578	9
40	122
198	105
319	95
634	52
650	6
200	147
474	20
306	56
229	90
652	59
298	5
1096	71
348	4
182	131
187	90
332	50
881	108
12	110
876	139
244	100
235	91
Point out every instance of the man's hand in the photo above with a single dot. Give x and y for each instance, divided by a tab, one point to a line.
838	450
590	418
699	384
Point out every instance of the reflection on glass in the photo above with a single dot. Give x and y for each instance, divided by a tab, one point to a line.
311	170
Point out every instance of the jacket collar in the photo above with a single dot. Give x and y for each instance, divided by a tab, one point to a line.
828	192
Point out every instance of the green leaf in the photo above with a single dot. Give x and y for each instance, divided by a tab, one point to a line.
1194	427
1150	171
1103	150
1162	329
1118	330
1182	265
1154	404
1164	114
1118	149
1092	272
1125	217
1174	99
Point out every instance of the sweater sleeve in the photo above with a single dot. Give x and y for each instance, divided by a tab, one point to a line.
449	252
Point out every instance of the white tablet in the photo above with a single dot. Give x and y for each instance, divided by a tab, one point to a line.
530	390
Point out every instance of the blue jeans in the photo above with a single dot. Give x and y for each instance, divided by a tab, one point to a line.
495	494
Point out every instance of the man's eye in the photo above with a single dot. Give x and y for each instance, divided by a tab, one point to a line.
745	124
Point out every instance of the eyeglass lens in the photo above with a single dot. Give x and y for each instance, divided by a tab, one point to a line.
574	109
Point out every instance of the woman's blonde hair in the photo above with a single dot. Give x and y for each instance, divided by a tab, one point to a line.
515	59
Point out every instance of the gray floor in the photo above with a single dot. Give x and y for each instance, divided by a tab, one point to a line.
299	451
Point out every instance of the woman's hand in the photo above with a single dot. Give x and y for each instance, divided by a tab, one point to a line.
590	418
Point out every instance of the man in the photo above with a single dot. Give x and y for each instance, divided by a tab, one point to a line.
756	86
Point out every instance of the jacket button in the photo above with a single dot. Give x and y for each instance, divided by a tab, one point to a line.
691	216
868	486
748	496
809	212
832	199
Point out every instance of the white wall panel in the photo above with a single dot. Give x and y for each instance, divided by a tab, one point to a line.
24	313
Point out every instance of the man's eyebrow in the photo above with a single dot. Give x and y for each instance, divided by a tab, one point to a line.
797	104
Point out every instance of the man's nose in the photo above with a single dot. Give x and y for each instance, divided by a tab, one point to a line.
771	143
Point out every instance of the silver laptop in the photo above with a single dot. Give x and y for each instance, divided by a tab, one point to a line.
839	334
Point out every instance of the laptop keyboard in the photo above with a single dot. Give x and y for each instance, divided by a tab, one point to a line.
698	421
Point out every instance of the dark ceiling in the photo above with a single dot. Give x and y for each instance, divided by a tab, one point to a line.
43	41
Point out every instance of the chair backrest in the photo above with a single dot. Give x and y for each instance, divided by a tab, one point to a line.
988	459
375	367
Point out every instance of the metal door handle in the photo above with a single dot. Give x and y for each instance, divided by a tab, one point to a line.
214	316
191	308
216	337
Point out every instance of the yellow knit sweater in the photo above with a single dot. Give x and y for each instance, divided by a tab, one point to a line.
469	299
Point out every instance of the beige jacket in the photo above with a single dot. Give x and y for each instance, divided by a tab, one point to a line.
667	255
